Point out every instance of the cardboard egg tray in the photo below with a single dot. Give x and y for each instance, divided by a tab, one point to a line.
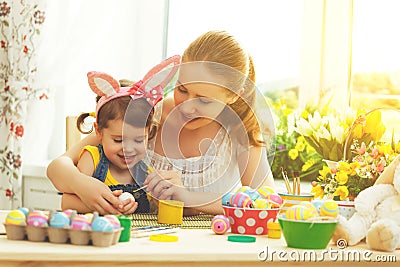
62	235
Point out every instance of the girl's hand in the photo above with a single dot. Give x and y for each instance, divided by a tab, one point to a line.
97	196
128	206
165	184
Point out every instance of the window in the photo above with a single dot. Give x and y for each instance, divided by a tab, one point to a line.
269	30
376	59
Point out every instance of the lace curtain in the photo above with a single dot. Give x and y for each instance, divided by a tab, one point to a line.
20	25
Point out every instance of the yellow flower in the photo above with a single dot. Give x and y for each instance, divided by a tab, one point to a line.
308	164
301	139
311	150
287	111
300	146
354	166
318	191
374	125
385	149
358	131
341	191
293	153
324	173
344	167
398	147
341	177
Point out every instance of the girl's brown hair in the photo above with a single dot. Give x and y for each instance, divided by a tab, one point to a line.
223	48
137	112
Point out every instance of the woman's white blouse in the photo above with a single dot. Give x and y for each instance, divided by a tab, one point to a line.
216	171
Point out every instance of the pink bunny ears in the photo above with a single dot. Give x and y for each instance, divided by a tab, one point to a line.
106	86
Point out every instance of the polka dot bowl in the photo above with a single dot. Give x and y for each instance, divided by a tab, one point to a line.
346	208
250	221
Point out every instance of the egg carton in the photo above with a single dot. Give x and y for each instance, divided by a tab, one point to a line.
62	235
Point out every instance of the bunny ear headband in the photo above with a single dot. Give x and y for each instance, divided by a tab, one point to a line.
108	88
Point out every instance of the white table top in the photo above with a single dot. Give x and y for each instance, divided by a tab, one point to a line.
201	246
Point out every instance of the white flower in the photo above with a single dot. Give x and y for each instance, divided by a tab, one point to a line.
316	120
322	132
337	133
303	127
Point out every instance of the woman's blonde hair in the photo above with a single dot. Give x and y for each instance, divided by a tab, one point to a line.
223	48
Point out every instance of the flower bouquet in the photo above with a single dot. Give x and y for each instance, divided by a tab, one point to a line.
329	131
292	152
345	180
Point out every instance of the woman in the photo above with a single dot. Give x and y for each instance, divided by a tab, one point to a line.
209	141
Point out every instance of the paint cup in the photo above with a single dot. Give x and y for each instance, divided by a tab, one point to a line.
170	211
126	224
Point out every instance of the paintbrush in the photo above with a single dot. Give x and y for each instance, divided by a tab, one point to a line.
297	177
140	188
286	180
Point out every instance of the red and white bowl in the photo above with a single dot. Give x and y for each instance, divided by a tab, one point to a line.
250	221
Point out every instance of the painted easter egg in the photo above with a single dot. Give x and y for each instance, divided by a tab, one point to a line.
299	212
101	224
310	206
244	188
220	224
253	194
264	191
317	203
226	199
59	220
241	200
69	212
113	220
261	203
126	195
37	218
329	208
24	210
80	222
16	217
275	200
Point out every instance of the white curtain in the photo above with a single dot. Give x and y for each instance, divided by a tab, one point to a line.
20	26
123	38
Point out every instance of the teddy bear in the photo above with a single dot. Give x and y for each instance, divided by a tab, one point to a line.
377	215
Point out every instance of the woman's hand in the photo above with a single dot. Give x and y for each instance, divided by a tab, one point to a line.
97	196
163	184
128	206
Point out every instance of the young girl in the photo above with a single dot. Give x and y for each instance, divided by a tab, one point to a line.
124	123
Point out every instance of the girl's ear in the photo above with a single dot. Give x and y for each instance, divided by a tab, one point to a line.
97	131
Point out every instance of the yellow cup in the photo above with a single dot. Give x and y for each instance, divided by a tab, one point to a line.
170	211
274	230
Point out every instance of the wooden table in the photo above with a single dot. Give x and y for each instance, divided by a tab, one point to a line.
194	248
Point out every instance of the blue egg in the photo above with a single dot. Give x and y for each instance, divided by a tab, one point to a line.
59	220
101	224
226	199
253	194
24	210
